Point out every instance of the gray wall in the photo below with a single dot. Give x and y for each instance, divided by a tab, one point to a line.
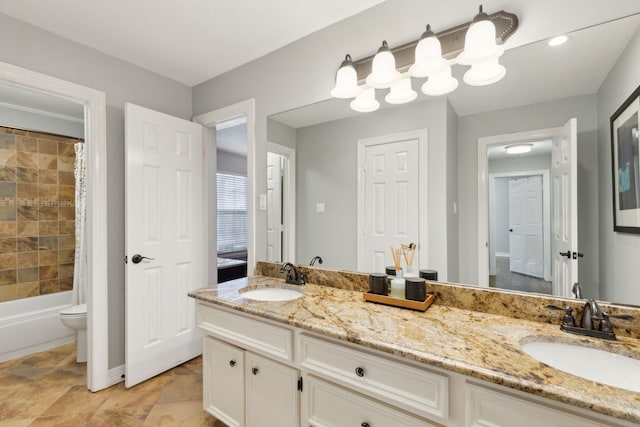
27	46
280	133
452	198
326	171
619	251
530	117
20	119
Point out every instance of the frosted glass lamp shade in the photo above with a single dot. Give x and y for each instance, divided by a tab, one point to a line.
484	73
518	148
365	102
383	69
480	41
428	54
346	81
401	92
440	84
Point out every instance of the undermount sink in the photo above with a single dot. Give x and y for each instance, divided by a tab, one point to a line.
271	294
596	365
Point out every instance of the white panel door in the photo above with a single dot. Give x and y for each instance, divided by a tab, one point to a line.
525	225
564	235
391	202
274	207
163	223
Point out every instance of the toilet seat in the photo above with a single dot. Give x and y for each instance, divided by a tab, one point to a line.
79	310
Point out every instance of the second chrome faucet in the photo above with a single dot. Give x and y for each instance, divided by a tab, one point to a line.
294	277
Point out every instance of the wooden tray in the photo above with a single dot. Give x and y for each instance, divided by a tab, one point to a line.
399	302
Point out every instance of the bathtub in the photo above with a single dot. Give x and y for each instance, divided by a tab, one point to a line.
31	324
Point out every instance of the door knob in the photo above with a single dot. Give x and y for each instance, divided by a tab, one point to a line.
567	254
511	230
577	255
137	258
359	372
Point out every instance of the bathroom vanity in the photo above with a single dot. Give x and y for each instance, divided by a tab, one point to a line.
329	358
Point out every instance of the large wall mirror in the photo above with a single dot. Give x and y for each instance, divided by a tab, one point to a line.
544	88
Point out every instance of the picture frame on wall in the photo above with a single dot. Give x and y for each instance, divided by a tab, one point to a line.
625	165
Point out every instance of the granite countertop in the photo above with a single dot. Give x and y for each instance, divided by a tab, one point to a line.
480	345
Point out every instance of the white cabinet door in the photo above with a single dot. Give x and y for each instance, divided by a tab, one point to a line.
271	392
223	381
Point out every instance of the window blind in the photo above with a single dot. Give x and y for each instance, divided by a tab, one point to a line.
233	222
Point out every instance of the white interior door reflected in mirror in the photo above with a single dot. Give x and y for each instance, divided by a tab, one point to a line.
281	203
275	165
389	199
564	178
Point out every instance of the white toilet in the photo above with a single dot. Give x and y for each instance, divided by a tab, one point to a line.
75	317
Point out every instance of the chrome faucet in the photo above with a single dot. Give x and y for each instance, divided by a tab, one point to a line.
577	290
314	259
590	312
294	277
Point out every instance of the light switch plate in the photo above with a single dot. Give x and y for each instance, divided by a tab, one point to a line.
319	207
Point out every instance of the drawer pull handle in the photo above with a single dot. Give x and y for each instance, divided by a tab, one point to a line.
254	371
359	371
364	424
232	363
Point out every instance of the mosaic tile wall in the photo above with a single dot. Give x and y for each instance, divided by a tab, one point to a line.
37	211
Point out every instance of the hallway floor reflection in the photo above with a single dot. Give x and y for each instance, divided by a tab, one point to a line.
505	279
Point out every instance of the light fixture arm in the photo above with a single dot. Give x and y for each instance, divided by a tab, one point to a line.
452	41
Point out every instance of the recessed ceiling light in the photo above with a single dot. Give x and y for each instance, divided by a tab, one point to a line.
558	40
518	148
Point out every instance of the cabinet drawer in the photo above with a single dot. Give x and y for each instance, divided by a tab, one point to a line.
329	405
247	333
417	390
486	407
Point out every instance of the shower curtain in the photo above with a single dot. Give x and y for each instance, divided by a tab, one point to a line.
80	263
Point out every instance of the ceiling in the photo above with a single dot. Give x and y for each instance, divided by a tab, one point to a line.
189	41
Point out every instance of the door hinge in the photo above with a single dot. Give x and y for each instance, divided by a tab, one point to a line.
126	259
300	384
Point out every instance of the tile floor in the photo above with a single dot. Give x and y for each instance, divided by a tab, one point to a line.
49	389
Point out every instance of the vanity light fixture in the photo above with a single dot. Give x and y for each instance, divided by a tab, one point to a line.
429	57
518	148
558	40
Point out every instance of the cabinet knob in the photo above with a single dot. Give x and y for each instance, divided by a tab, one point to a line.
232	363
364	424
359	371
254	371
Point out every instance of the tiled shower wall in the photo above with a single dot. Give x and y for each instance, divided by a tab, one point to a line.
37	211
